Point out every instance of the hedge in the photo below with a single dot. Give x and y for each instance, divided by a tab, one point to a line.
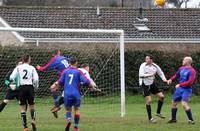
169	62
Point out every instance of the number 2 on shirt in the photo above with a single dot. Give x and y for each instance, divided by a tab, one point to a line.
25	74
71	78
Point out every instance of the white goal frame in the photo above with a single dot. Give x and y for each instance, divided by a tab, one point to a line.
120	33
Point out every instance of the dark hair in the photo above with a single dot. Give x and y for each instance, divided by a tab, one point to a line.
26	58
73	61
150	56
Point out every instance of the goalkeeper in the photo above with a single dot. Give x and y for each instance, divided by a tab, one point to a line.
85	69
12	89
58	63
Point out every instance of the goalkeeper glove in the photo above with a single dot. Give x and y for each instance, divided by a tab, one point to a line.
7	83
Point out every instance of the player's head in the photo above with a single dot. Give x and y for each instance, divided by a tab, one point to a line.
26	59
55	52
187	61
86	67
149	59
73	62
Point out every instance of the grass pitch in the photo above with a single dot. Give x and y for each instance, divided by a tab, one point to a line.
105	119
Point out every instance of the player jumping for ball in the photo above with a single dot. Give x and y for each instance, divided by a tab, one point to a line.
58	63
186	76
147	73
85	70
71	80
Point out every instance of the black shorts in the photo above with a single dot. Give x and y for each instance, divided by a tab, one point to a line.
147	90
12	94
26	95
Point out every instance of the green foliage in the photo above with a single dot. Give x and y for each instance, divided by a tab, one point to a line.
97	60
169	63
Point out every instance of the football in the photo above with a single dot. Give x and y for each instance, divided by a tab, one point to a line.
160	2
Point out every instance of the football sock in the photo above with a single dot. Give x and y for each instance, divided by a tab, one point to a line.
33	114
68	116
148	108
76	120
68	119
23	116
189	114
174	110
61	100
2	106
56	99
160	103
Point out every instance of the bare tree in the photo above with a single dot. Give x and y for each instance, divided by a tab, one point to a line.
178	3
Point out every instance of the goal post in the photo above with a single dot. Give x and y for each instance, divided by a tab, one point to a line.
119	33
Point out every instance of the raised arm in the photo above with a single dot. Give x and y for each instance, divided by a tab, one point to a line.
48	66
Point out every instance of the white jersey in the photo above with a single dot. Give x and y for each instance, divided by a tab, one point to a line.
86	73
149	69
27	75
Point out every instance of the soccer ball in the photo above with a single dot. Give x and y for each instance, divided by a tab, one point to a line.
160	2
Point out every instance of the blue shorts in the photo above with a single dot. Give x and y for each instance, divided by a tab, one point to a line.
70	102
182	94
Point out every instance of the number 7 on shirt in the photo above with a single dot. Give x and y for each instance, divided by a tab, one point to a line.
71	78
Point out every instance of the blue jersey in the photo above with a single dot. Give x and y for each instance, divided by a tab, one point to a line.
58	63
71	80
186	76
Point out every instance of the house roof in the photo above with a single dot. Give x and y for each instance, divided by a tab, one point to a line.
163	23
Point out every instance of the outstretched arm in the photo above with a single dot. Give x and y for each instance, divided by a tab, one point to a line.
161	73
47	66
88	82
176	75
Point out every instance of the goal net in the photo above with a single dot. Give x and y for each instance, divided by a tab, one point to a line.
102	50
